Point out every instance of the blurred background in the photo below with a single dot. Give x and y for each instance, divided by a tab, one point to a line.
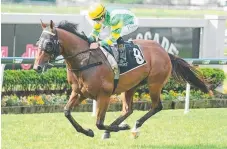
203	3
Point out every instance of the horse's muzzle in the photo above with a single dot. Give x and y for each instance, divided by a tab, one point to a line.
38	68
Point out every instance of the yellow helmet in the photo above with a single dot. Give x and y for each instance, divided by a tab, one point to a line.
96	11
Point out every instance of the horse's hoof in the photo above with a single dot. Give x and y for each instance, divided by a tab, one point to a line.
106	135
125	127
135	133
90	133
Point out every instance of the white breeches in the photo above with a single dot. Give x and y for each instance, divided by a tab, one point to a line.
125	30
129	28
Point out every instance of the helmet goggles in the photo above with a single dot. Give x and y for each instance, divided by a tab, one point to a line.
99	19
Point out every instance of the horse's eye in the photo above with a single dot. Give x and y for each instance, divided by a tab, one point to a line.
49	46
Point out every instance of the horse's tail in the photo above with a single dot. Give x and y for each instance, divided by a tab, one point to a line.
182	71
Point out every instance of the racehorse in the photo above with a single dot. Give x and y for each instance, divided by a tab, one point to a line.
92	77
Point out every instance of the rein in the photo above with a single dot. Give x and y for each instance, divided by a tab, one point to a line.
81	68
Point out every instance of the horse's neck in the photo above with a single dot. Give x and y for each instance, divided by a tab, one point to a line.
72	45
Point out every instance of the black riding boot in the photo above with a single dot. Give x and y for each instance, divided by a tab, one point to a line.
122	53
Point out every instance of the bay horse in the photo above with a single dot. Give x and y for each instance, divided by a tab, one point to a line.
97	81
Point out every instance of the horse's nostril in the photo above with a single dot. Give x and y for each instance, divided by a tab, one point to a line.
39	68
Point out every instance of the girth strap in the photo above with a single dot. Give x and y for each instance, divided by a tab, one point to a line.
86	67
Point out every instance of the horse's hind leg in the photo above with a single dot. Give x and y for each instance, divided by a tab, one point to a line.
155	91
74	100
127	110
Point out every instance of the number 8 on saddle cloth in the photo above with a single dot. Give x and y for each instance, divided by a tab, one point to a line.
134	56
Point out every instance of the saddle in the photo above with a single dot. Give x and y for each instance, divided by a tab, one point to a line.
133	55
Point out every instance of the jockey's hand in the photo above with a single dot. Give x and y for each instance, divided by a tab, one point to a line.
94	45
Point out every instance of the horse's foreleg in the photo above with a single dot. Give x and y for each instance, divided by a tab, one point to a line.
102	105
127	110
74	100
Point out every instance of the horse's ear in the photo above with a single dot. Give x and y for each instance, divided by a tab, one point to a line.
51	24
42	24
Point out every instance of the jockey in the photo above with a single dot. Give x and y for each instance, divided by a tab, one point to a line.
121	22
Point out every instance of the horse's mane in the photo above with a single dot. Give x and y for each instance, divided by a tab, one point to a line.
72	28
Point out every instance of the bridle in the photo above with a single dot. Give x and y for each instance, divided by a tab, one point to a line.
49	43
